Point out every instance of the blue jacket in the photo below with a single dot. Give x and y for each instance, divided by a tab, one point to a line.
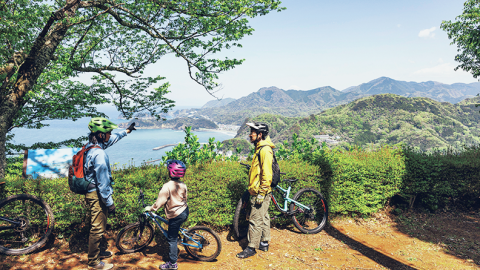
97	168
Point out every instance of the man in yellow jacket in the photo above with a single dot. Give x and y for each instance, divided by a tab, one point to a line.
260	176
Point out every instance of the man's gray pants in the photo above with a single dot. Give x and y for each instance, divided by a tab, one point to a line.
259	228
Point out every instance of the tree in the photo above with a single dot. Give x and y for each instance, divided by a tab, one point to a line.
46	45
465	32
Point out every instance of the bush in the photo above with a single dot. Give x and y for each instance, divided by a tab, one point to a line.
360	181
214	189
440	179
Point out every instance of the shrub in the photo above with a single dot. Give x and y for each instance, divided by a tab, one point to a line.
360	181
214	189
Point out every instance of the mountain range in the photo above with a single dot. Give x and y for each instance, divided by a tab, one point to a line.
383	119
297	103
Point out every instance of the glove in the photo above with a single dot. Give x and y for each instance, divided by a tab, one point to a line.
111	209
260	198
147	209
131	127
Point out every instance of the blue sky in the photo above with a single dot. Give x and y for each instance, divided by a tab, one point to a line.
317	43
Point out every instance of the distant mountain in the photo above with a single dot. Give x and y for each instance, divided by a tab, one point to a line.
217	103
385	119
452	93
298	103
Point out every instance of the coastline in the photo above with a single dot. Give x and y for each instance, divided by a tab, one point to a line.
227	132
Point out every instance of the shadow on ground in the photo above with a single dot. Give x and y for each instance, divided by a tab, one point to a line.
457	233
369	252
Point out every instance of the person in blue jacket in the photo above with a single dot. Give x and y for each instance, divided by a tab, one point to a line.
99	197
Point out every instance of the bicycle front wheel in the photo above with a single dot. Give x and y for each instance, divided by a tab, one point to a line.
311	220
129	239
242	214
205	243
26	222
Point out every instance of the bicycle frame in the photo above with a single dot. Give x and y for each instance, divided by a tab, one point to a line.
286	197
16	223
156	218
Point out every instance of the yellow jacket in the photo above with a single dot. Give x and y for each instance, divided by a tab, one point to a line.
261	178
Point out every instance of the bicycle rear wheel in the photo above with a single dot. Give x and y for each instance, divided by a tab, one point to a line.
209	241
314	219
129	239
34	224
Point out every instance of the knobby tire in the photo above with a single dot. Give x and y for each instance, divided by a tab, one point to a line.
212	246
37	224
309	221
128	240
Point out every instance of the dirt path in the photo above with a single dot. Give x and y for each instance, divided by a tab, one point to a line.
414	241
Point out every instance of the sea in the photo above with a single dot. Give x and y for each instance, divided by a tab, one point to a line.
132	150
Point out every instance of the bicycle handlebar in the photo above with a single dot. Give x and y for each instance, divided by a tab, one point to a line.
140	197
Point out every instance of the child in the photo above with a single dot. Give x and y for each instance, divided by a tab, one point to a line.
174	196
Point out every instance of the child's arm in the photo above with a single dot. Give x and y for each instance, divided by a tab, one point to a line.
163	196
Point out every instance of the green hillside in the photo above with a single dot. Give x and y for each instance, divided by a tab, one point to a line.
386	119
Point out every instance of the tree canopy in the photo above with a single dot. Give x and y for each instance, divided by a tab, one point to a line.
465	33
46	45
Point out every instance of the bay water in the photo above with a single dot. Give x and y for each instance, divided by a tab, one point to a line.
135	148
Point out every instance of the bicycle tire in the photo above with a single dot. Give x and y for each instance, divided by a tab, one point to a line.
312	221
240	219
212	246
129	234
34	222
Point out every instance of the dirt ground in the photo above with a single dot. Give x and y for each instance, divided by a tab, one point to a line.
406	241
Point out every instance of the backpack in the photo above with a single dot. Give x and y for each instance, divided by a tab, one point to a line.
275	168
76	177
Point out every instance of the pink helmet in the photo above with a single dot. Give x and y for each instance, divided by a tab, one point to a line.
176	168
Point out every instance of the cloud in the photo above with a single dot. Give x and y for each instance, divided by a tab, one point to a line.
427	33
444	68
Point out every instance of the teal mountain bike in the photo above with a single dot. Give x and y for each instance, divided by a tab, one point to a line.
26	222
308	208
200	242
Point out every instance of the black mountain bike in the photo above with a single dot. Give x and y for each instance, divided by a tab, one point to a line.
308	209
200	242
26	222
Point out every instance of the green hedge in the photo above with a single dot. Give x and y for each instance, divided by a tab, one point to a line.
214	189
355	181
359	181
441	179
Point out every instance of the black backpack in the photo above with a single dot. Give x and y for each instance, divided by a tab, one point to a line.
275	168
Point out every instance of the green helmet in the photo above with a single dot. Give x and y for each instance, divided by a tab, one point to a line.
101	124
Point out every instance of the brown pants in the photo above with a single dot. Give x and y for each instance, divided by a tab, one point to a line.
98	221
259	228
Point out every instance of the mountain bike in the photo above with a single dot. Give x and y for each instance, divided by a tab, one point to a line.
26	222
308	208
200	242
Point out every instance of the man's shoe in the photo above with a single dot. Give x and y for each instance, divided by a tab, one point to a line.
102	265
263	246
247	252
105	254
169	265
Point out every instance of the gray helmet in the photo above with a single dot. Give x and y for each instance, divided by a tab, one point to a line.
259	127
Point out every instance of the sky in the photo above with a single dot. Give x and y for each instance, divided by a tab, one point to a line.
316	43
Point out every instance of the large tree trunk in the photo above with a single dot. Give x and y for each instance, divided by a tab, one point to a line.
42	52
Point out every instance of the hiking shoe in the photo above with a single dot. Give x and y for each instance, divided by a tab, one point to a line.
102	265
263	246
169	265
247	252
105	254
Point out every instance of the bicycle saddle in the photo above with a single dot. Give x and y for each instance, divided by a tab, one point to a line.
290	180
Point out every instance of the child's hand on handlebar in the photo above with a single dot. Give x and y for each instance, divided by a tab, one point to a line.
147	209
